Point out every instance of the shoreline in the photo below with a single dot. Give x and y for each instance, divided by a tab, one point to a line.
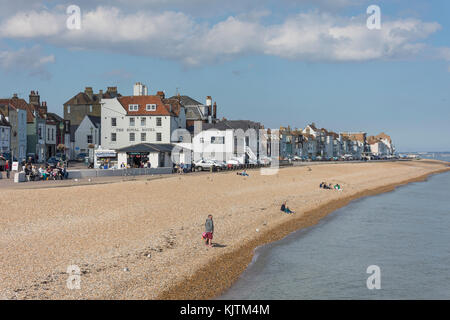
197	286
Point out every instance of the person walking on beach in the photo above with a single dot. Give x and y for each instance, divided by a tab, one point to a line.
209	230
8	169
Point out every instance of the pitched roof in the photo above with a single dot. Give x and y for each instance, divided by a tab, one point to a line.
83	98
96	121
232	124
164	107
356	136
54	116
384	136
187	101
20	103
148	147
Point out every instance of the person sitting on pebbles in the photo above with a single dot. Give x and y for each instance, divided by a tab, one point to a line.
244	173
285	208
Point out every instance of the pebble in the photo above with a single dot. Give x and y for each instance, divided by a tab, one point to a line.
126	269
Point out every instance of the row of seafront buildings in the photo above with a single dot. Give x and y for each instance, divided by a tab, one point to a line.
28	129
114	129
312	142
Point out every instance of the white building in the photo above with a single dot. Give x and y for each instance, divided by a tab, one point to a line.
131	120
87	133
225	140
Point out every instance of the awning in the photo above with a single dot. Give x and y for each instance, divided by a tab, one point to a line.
147	147
106	154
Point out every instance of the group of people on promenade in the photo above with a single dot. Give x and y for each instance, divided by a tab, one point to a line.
329	186
141	165
34	172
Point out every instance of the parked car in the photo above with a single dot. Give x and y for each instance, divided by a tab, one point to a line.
221	165
53	161
7	156
203	165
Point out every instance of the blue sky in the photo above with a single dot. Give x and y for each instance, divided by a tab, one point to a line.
288	62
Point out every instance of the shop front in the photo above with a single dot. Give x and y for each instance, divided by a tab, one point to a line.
105	159
145	155
137	159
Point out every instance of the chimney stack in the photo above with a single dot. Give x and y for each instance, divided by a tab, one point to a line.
34	98
89	92
44	107
209	105
140	89
215	110
161	94
112	91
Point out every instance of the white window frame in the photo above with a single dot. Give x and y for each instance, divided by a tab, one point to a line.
133	107
134	136
134	121
143	121
150	107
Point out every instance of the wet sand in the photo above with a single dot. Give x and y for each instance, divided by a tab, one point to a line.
142	239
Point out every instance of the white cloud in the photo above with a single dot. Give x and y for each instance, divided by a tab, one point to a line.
311	36
30	60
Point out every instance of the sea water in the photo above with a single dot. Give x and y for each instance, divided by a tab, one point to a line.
402	236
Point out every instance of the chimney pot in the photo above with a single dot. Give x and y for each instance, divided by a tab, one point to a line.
161	94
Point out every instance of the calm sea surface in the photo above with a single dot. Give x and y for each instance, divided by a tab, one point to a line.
406	233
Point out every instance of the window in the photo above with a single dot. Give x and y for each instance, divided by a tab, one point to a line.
131	122
158	122
133	107
158	136
132	137
218	140
48	134
202	140
53	133
114	137
113	122
90	108
143	136
143	121
89	138
68	109
150	107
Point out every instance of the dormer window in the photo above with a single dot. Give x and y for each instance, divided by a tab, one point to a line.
133	107
150	107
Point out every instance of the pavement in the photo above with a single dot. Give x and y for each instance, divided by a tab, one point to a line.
9	183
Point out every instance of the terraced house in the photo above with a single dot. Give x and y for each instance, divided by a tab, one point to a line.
18	120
